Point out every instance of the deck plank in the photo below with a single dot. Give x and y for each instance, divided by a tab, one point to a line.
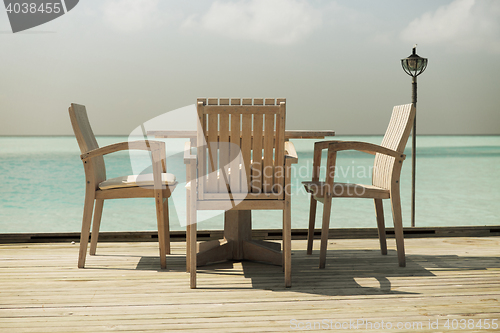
124	289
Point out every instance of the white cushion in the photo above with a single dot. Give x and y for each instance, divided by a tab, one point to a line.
136	180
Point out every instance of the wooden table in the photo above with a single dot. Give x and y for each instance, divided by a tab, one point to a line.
237	243
289	134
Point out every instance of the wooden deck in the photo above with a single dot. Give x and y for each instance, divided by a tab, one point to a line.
123	289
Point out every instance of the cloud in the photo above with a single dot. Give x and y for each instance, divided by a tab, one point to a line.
470	24
273	22
131	15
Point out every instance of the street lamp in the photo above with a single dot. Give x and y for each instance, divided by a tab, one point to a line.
414	66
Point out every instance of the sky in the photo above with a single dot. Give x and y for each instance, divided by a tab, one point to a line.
336	62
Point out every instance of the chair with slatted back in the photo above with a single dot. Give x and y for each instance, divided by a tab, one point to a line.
158	185
242	163
389	159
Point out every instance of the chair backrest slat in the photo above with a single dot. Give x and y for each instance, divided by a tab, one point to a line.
246	148
244	145
268	163
395	138
258	128
224	154
86	139
202	152
234	153
212	182
279	173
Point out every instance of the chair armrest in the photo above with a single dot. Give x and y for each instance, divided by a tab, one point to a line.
188	157
323	144
365	147
290	152
132	145
318	148
335	145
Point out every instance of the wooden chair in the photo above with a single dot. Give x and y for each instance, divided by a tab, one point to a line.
158	185
389	159
242	163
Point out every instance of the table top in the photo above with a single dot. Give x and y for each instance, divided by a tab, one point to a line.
289	134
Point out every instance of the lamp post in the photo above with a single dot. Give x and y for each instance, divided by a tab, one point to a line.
414	66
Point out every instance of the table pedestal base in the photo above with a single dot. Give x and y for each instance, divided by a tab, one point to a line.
238	244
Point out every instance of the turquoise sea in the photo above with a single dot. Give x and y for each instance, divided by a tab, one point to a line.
42	186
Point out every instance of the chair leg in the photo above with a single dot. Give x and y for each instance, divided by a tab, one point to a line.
188	231
192	250
287	242
312	220
398	226
324	230
87	217
166	222
96	225
161	231
379	213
